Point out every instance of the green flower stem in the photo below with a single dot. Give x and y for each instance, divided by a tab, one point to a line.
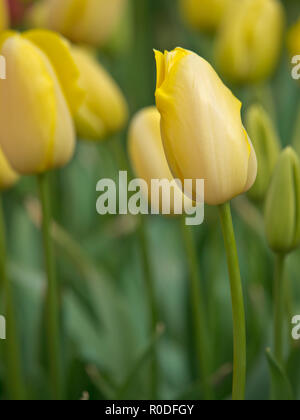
150	289
52	299
14	375
239	323
279	308
198	307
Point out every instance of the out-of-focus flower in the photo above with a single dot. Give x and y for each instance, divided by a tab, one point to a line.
294	39
17	9
282	213
204	15
104	110
249	42
85	21
202	131
148	157
4	16
8	177
36	99
267	147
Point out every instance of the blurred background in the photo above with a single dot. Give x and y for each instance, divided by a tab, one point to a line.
106	340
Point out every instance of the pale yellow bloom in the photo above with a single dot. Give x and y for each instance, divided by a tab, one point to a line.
204	15
86	21
36	100
4	18
8	177
148	157
294	39
250	39
104	110
201	126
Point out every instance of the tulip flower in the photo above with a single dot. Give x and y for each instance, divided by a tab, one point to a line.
104	110
36	100
249	41
282	223
4	16
283	204
267	147
148	157
89	21
294	39
205	15
201	126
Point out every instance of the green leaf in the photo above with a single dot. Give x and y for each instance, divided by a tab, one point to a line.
281	389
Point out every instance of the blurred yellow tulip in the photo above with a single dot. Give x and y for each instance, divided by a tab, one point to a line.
148	158
249	41
205	15
104	110
4	18
8	177
85	21
37	131
294	39
201	125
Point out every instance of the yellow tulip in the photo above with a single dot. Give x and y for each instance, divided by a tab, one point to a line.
148	158
36	99
85	21
294	39
201	126
8	177
104	110
205	15
4	18
249	41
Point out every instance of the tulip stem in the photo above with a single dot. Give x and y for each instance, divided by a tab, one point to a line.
198	307
279	305
14	376
52	299
150	290
239	323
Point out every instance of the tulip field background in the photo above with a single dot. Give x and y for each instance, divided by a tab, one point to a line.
106	340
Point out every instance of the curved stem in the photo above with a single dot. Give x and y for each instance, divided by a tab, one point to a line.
14	376
239	323
279	305
198	307
150	289
52	305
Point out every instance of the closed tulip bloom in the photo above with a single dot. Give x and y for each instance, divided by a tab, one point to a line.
294	39
148	157
84	21
104	110
36	100
8	177
267	147
4	18
250	39
282	213
201	126
204	15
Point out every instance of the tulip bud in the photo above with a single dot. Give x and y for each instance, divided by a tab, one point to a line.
4	18
8	176
282	212
267	147
88	21
201	125
294	39
148	157
249	41
37	132
104	110
205	15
